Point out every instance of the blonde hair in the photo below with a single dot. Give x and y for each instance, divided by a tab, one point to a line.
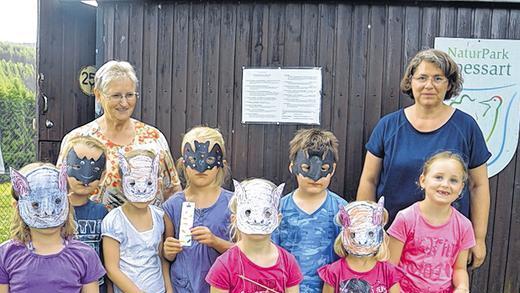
202	134
313	139
234	233
113	70
446	155
19	229
382	254
88	141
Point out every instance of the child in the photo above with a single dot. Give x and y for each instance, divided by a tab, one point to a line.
363	244
42	255
204	168
255	264
85	161
132	233
430	239
307	229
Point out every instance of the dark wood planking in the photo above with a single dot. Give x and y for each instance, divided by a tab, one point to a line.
356	100
512	273
393	64
411	44
164	68
135	49
149	65
179	76
430	27
108	30
325	55
275	50
121	23
255	145
447	22
340	108
243	47
292	41
225	105
210	76
194	80
68	82
48	151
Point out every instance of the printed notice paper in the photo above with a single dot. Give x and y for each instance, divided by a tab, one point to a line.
281	95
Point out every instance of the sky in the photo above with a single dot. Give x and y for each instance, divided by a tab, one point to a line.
18	21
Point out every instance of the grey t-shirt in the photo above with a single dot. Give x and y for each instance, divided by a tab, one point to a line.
139	251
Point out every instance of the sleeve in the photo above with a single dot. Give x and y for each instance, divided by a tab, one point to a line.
168	209
110	227
479	151
218	276
328	275
375	144
294	272
399	229
93	269
393	275
467	239
4	275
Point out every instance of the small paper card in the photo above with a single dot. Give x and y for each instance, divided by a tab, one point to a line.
187	215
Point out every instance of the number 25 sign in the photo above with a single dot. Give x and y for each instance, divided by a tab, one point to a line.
86	80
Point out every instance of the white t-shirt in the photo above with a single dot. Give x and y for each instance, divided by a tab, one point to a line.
139	251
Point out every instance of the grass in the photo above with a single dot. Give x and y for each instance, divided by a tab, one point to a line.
6	210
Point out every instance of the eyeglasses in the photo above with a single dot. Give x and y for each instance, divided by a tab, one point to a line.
436	80
130	97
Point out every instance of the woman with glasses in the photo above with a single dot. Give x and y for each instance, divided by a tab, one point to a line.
401	141
115	90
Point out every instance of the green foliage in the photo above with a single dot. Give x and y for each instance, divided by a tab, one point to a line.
6	210
18	53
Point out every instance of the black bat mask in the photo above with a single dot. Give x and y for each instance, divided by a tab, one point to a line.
313	165
85	170
200	159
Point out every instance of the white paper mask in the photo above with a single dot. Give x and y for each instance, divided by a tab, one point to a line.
42	196
257	206
362	223
139	177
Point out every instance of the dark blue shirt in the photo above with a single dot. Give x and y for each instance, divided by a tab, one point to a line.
404	150
88	217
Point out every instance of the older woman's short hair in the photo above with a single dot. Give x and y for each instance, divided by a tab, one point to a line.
444	62
113	70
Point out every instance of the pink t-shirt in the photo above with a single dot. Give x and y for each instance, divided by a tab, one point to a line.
343	279
430	252
233	271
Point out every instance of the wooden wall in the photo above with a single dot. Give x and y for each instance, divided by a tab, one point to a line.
190	55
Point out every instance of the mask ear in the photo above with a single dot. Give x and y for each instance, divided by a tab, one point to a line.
277	193
62	179
123	164
19	183
378	216
342	218
239	191
155	166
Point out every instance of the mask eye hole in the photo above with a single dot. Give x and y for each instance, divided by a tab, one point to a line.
35	205
149	183
76	167
132	183
267	214
210	160
97	169
305	167
371	234
57	201
353	235
248	213
191	160
325	167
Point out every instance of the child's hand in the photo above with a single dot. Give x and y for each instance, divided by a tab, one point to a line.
171	247
203	235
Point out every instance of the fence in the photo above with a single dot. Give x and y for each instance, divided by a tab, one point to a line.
18	148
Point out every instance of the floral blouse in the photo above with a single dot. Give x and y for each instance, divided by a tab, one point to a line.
146	137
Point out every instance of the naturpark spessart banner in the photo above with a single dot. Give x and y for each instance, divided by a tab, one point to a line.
491	72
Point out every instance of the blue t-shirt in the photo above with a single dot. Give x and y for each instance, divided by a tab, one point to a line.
309	237
190	267
88	217
404	150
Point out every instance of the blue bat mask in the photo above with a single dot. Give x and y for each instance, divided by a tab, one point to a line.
202	159
313	164
85	170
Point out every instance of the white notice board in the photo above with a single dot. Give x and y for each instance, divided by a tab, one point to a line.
281	95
